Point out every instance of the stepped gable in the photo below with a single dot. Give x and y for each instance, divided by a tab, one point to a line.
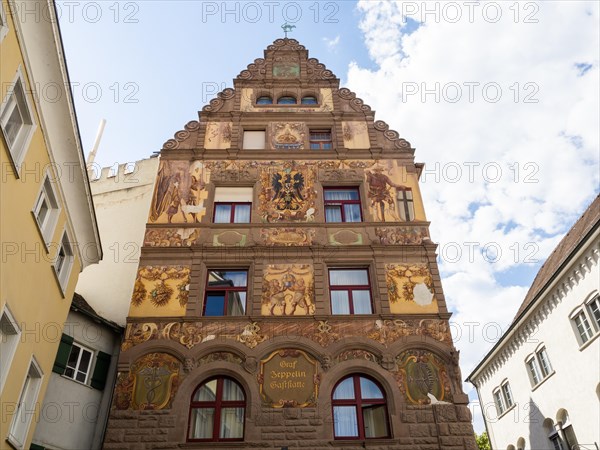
312	73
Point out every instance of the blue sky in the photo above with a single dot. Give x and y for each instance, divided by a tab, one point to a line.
525	139
170	57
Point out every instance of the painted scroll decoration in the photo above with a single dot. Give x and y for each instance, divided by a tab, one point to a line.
160	291
410	289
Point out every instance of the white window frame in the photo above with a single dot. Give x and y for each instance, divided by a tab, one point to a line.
3	21
264	141
48	226
82	348
536	368
580	317
508	399
8	342
17	95
499	401
595	300
63	269
18	431
533	369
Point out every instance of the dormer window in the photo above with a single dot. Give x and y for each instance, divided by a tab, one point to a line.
264	100
286	100
309	100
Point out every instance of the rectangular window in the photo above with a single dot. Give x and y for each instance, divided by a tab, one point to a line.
254	140
226	293
507	394
233	205
406	207
78	364
64	261
9	339
320	140
533	372
499	402
46	210
594	307
16	121
342	204
19	427
350	291
556	442
544	361
583	327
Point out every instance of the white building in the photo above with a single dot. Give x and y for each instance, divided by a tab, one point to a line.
539	386
75	410
122	201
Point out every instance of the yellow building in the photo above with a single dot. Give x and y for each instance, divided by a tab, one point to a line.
48	229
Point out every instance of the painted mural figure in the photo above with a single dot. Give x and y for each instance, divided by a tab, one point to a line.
379	192
194	198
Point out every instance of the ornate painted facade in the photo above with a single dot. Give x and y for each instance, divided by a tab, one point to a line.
287	198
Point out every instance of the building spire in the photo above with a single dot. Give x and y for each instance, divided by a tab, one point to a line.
287	28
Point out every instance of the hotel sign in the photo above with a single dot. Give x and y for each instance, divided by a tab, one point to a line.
288	378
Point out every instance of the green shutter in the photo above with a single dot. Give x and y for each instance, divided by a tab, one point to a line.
36	447
62	356
101	370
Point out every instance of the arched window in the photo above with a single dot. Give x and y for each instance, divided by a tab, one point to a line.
309	100
359	409
286	100
217	411
264	100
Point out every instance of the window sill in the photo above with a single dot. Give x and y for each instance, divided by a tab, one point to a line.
210	444
76	381
513	406
543	381
57	278
37	225
366	443
13	442
589	342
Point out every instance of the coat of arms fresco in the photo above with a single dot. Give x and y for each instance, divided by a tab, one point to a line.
288	290
423	378
287	195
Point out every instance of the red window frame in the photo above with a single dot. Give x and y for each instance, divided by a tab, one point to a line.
218	405
358	403
226	290
318	141
349	288
341	203
232	214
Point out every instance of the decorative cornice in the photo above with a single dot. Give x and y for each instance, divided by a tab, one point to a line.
182	135
548	303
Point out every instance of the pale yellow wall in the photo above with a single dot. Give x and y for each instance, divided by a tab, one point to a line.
27	281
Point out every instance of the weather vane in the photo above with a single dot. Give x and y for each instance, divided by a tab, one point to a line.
287	28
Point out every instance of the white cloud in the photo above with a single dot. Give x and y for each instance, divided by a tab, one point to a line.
540	138
332	44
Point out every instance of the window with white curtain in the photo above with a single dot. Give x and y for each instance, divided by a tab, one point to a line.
233	205
254	140
342	204
350	291
359	409
217	411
